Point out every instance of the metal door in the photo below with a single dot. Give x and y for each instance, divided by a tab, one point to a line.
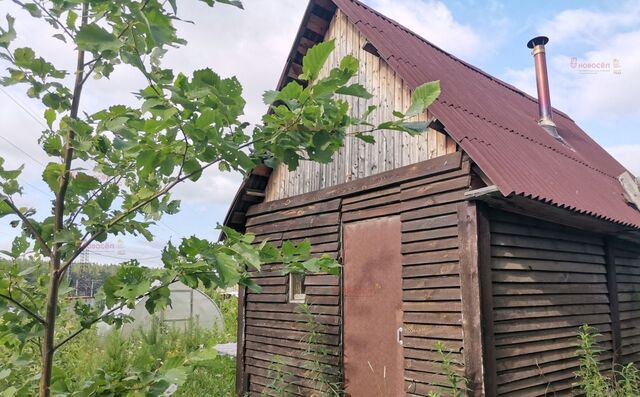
373	357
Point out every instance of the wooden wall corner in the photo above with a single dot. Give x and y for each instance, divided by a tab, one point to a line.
477	299
242	379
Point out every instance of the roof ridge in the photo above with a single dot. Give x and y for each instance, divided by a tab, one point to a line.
455	58
513	131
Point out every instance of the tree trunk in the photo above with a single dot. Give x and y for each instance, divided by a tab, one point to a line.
48	348
49	336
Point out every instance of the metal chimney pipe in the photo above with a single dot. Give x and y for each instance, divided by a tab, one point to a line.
542	78
542	82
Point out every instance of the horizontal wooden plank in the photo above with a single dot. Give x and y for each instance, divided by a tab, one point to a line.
437	269
291	335
533	289
429	212
430	245
372	195
369	213
289	344
431	282
371	202
522	226
290	352
311	209
507	240
546	265
430	223
536	335
276	298
438	318
294	317
291	308
433	331
430	257
548	311
436	199
543	277
521	325
307	233
451	306
424	235
465	169
532	301
289	325
430	343
437	165
430	189
511	252
431	294
305	222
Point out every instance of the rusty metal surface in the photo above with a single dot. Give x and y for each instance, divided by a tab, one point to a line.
496	124
373	359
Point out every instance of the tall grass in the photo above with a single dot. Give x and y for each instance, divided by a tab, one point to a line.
150	348
596	381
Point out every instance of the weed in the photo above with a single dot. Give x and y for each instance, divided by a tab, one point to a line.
622	381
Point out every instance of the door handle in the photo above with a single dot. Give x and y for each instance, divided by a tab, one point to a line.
399	336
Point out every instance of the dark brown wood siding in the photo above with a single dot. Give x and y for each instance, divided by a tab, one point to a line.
627	261
548	280
425	195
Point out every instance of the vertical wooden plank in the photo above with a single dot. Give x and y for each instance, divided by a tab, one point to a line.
475	274
612	289
490	370
242	378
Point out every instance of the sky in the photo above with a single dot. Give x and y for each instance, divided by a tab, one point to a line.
253	45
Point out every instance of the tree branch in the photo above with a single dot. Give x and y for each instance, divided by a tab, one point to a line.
29	225
108	313
92	196
99	58
33	314
55	19
137	206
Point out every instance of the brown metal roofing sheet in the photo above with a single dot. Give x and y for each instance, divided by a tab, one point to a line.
496	124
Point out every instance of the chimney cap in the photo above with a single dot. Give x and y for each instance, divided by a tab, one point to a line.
540	40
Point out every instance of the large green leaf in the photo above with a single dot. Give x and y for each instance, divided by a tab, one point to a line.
423	97
51	175
356	90
8	35
92	37
315	59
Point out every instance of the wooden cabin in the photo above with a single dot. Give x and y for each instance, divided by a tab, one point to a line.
487	233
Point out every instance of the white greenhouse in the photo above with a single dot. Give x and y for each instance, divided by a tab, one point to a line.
188	305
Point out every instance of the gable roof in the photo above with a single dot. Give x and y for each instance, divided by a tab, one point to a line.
492	121
496	124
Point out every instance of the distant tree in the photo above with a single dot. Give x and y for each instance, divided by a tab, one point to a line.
111	173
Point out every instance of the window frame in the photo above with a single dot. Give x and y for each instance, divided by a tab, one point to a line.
293	297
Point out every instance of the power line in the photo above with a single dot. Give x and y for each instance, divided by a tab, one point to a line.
37	119
121	257
166	226
23	152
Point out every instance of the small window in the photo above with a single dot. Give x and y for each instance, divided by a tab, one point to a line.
296	288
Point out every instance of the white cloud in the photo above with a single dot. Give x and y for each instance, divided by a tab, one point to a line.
607	38
214	187
434	21
590	26
627	155
252	44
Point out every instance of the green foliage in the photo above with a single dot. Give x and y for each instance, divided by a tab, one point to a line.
594	379
281	379
112	172
452	369
317	355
